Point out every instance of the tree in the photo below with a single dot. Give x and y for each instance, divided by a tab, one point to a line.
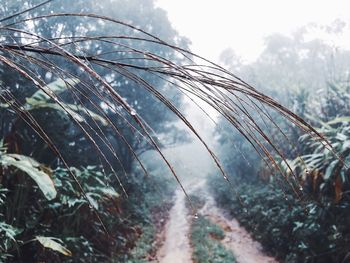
109	68
123	49
280	71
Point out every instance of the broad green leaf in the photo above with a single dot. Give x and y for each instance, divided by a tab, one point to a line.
7	104
33	104
110	192
4	105
91	114
34	170
41	100
58	86
343	176
49	242
92	200
9	231
298	225
69	109
291	163
2	147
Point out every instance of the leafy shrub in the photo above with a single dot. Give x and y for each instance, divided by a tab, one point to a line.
289	229
71	218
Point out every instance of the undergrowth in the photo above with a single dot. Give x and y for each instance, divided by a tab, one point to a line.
291	230
71	219
205	239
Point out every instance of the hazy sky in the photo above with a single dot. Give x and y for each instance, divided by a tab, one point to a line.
242	25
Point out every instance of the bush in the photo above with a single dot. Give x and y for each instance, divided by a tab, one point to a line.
291	230
70	218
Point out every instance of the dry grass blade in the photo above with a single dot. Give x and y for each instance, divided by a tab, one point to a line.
231	97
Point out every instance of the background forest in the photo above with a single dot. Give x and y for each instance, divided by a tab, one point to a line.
310	76
40	202
76	183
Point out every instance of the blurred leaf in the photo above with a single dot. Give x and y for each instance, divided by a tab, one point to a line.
330	168
110	192
346	145
68	109
93	115
49	242
4	105
58	86
339	120
41	100
298	225
315	119
92	200
33	104
34	170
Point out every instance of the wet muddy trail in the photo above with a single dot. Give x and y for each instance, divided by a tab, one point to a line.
176	247
237	239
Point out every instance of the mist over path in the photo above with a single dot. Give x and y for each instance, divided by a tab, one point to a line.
193	165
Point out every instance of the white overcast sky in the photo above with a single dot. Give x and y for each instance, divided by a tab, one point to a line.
242	25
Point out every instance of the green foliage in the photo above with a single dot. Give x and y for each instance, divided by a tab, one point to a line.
67	216
291	230
77	97
41	100
323	172
205	239
334	102
54	244
8	232
54	88
147	209
233	152
144	247
70	219
70	109
315	228
40	174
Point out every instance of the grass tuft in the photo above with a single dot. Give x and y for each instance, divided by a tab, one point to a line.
207	248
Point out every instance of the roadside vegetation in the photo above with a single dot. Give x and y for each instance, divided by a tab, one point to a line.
87	88
299	213
205	240
205	236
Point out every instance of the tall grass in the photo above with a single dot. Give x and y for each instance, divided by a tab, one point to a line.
25	53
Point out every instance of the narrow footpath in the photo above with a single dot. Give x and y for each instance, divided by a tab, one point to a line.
176	247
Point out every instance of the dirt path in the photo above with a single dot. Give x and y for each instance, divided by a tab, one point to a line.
237	239
177	249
